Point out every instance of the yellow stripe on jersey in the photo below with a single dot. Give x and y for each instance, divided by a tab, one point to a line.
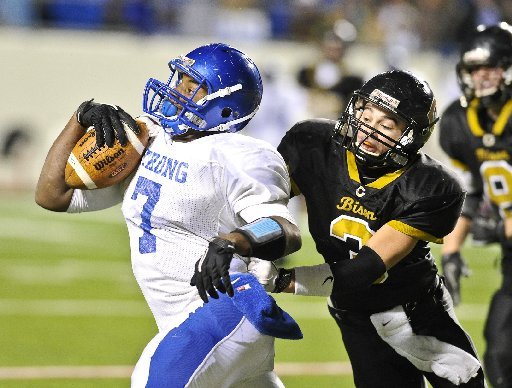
413	232
503	117
499	125
352	167
377	183
295	189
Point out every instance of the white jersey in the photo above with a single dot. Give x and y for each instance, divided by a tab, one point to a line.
183	195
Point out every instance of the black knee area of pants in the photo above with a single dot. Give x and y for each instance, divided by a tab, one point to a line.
498	336
506	270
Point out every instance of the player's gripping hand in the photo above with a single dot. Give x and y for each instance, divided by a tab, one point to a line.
454	267
265	271
107	121
212	271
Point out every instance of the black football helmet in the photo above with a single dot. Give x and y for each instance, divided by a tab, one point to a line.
489	46
403	94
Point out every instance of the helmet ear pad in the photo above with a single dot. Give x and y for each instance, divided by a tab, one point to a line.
402	94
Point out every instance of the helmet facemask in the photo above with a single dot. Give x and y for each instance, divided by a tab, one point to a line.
489	47
177	113
496	93
349	126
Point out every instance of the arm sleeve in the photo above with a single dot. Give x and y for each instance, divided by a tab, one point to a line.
92	200
315	280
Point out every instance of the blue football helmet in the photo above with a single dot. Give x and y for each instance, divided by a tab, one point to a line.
231	79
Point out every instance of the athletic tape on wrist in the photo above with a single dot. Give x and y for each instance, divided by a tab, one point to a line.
314	280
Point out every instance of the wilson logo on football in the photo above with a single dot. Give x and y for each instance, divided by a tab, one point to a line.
100	164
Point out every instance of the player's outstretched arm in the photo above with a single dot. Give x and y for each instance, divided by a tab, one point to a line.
268	238
369	266
52	193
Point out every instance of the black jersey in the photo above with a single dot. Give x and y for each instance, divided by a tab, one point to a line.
422	200
481	147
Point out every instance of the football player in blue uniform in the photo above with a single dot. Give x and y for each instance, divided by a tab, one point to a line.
476	134
374	204
202	202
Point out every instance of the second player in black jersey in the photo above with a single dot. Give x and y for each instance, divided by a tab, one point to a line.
476	134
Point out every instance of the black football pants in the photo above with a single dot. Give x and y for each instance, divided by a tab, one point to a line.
375	364
498	332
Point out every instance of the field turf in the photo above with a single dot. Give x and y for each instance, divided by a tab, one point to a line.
72	314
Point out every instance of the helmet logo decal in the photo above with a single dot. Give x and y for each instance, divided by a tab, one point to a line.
406	139
479	54
380	95
186	60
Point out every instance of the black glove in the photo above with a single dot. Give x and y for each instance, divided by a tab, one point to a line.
107	121
212	271
487	227
454	267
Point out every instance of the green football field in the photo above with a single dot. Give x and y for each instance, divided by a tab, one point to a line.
72	314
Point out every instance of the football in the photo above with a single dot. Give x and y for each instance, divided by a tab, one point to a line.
90	167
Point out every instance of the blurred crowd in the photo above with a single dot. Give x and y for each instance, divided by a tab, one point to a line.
404	24
322	86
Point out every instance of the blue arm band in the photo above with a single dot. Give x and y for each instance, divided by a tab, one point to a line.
266	237
358	273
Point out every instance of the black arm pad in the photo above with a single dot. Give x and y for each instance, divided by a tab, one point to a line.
266	237
358	273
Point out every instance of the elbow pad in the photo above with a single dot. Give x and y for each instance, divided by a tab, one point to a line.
358	273
266	237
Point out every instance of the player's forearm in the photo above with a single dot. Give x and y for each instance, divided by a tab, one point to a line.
313	280
290	236
507	228
52	193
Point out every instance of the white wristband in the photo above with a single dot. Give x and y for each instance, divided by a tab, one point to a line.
315	280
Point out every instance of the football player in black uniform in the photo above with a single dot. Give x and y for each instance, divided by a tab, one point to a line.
476	133
374	203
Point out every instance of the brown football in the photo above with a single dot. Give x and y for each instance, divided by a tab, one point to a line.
90	167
